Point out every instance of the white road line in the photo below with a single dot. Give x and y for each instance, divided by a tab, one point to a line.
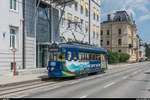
21	96
109	85
83	97
47	89
74	82
125	77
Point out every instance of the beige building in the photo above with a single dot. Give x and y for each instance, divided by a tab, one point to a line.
119	34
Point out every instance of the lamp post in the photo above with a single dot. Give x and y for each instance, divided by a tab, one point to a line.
14	52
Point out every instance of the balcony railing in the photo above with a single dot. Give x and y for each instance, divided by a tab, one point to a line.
60	2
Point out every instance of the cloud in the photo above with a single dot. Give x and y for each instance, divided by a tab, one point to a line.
131	6
143	18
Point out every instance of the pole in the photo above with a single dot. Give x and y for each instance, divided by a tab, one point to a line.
89	22
14	64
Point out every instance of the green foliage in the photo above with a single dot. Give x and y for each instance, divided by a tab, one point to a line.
147	50
117	57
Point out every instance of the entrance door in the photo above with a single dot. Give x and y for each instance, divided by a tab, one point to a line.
42	56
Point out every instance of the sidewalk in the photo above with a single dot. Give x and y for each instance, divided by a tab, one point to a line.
14	80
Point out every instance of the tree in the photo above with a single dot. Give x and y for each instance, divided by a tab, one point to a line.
117	57
147	50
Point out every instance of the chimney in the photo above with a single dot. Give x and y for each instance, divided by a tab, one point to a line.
109	17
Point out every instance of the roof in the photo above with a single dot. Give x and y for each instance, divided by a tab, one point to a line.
121	16
79	47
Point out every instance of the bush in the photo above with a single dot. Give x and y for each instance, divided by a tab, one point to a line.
124	57
116	57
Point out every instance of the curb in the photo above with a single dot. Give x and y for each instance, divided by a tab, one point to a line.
22	82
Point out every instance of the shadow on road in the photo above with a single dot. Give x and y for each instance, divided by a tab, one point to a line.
46	78
147	73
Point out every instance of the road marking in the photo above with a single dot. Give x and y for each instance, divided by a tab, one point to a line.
22	96
75	82
55	87
125	77
83	97
109	85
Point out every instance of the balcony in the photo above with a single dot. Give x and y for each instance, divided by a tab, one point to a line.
60	2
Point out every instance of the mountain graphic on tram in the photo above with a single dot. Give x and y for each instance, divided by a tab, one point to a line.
69	60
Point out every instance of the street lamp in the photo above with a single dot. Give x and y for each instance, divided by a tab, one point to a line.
14	51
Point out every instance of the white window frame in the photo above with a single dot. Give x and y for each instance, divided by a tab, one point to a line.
11	38
13	5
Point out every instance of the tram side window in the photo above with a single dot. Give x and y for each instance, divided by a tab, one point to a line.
82	57
69	56
75	56
88	58
61	57
94	57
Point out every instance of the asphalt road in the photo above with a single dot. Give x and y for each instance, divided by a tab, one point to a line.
133	83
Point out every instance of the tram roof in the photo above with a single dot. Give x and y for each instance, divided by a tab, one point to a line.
87	48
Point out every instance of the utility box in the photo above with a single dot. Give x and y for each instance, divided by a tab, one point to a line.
12	66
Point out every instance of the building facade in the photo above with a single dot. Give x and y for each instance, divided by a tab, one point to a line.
81	22
119	34
11	25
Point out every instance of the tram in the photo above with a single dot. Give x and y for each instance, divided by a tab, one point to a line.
71	60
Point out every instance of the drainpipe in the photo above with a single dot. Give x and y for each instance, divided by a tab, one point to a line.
89	22
23	38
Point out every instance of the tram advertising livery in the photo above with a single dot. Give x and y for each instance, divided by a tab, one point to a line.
70	60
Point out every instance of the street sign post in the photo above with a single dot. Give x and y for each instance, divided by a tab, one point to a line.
14	52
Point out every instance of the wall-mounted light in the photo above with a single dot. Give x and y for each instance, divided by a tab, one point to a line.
4	34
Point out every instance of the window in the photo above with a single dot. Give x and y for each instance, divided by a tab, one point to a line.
94	13
97	32
108	32
86	26
120	41
75	56
108	42
98	14
12	38
61	56
119	51
87	9
13	4
101	32
76	19
69	19
119	31
81	4
76	6
101	42
69	56
94	31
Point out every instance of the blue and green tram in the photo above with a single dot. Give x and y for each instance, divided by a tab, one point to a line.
71	60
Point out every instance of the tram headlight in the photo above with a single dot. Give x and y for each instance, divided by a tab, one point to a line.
52	68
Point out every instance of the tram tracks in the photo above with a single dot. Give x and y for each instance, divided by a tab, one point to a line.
12	90
4	92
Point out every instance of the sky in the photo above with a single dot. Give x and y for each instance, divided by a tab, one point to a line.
139	9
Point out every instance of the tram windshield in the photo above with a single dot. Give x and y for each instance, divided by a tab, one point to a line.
57	56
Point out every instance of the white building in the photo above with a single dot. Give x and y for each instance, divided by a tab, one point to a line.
87	13
32	39
11	24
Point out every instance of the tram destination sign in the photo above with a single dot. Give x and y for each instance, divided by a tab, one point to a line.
53	50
